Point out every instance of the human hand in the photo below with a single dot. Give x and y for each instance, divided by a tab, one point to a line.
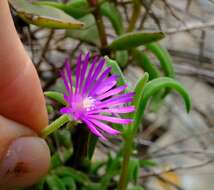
24	157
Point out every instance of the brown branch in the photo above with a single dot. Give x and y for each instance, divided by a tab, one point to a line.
186	152
211	130
169	182
136	8
189	2
45	49
160	172
100	26
190	26
149	12
172	11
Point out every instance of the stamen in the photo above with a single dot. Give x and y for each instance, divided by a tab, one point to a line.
89	103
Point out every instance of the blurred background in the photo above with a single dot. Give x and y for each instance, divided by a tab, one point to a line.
180	144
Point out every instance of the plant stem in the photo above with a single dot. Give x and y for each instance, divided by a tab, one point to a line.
135	15
92	144
100	27
131	131
55	125
45	49
127	151
80	140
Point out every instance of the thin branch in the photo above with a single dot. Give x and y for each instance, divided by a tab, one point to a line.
45	49
185	152
29	35
190	26
169	182
201	46
160	172
149	12
189	2
211	130
172	11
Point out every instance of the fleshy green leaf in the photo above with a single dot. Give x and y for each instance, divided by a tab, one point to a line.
143	61
56	160
44	16
88	33
112	13
151	88
40	185
136	188
113	163
96	166
147	163
137	102
57	96
134	167
112	169
115	69
60	157
139	89
122	58
49	108
167	67
135	39
64	137
69	182
76	175
54	183
164	58
75	8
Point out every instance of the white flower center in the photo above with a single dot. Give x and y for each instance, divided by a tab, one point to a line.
89	103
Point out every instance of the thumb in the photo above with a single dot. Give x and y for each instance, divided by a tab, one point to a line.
24	157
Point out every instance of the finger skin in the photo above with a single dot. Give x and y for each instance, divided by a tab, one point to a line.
26	161
24	157
22	100
9	131
21	95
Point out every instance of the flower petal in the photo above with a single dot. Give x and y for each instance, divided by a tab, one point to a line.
93	129
122	99
68	98
88	78
66	82
106	85
66	110
111	119
127	109
105	127
83	71
112	92
98	69
69	74
100	79
78	70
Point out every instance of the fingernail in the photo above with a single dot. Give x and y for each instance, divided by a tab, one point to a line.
25	162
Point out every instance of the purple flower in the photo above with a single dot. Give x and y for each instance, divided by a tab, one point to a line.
95	98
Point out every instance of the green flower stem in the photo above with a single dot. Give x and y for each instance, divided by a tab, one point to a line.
59	122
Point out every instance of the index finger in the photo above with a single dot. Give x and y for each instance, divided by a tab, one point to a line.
21	97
